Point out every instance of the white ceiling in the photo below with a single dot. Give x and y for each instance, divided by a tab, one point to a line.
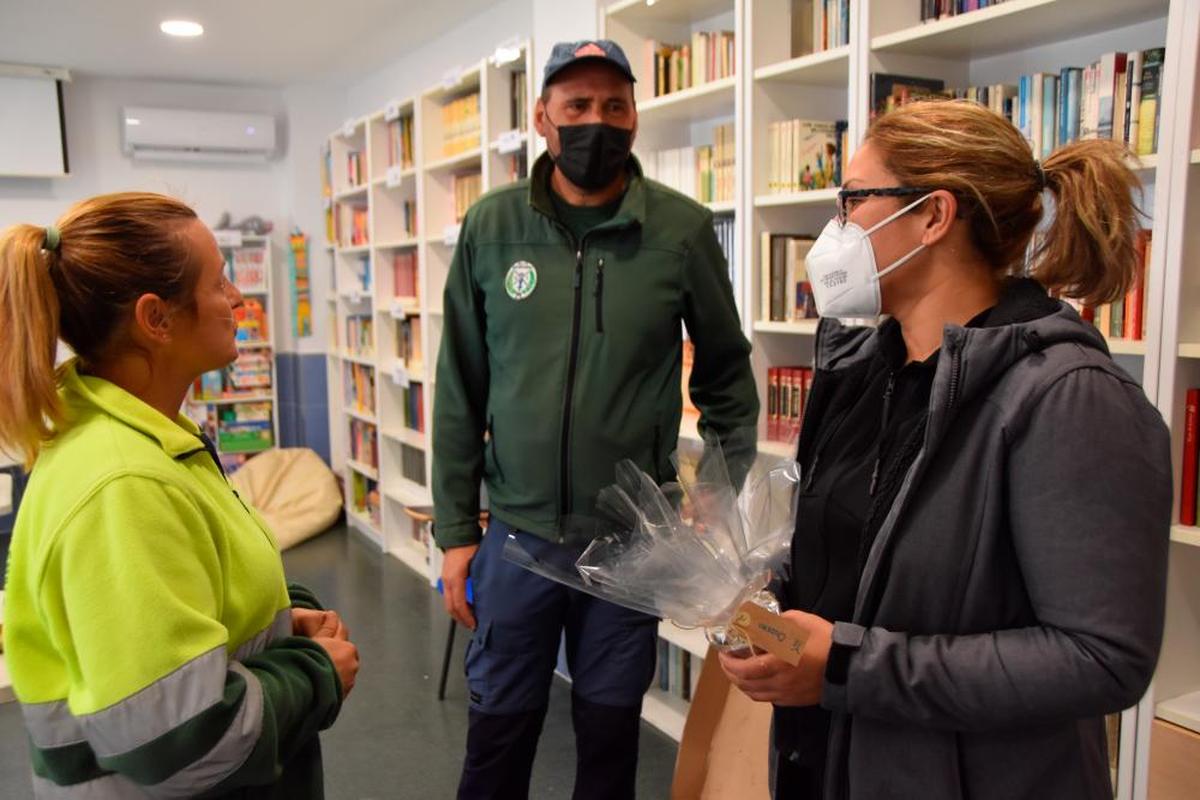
263	42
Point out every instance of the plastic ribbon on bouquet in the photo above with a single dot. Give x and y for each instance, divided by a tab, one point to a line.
691	551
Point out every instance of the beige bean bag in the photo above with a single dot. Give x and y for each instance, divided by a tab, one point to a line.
293	490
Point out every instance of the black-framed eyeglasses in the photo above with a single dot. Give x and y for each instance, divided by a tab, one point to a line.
855	194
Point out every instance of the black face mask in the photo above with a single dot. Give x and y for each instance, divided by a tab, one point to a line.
592	155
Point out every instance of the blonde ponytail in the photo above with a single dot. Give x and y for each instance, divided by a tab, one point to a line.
1089	250
30	408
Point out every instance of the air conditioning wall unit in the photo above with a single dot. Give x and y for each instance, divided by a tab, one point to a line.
178	135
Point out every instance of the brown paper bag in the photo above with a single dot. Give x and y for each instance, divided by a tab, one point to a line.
723	754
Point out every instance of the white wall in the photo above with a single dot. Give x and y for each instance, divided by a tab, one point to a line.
92	107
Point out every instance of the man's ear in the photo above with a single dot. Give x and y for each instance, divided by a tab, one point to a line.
539	117
152	319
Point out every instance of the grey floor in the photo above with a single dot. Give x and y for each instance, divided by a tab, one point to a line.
394	739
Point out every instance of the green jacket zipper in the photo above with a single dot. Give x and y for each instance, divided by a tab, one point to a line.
569	394
598	293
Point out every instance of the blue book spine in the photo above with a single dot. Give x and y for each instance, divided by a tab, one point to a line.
1049	92
1023	104
1074	78
1064	78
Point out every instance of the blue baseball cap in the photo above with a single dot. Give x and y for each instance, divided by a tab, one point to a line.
565	54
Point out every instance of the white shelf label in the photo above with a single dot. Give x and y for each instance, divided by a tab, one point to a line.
392	112
400	376
510	142
394	176
507	52
450	234
348	128
399	311
451	78
326	203
228	238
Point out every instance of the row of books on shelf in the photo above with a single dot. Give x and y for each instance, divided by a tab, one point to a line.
247	268
364	497
1116	97
787	393
404	273
460	125
677	670
252	325
400	142
725	227
249	375
362	274
709	56
785	294
240	427
352	225
407	221
805	154
467	188
1190	468
414	407
408	341
933	10
360	335
364	445
704	172
1125	318
359	393
412	464
356	168
518	102
819	25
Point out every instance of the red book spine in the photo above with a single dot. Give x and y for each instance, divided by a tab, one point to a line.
773	397
1191	441
1132	328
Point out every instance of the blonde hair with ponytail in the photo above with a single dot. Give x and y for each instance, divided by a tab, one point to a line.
111	250
1088	251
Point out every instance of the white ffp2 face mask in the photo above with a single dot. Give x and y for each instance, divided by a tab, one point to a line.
841	268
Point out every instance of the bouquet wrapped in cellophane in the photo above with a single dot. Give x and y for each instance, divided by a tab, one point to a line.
691	551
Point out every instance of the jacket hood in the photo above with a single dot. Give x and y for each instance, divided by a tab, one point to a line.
1025	320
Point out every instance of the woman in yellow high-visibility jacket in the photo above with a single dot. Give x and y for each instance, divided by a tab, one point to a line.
153	643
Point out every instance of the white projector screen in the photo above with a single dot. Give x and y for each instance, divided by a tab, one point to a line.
33	139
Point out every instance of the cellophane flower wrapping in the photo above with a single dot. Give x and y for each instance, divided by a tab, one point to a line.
691	551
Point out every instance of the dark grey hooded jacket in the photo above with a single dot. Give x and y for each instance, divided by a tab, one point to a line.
1015	591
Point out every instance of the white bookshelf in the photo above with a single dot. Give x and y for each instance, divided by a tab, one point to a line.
209	409
387	192
1175	694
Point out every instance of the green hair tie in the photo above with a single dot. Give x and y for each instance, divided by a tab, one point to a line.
53	237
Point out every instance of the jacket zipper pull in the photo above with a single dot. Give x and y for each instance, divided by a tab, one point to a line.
598	293
578	269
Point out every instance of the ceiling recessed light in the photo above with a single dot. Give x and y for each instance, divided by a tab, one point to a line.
181	27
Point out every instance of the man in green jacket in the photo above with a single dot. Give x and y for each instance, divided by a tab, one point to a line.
561	356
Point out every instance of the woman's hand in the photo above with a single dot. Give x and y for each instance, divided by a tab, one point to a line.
313	624
770	679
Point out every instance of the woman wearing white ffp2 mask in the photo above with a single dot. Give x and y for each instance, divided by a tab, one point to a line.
977	591
841	263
